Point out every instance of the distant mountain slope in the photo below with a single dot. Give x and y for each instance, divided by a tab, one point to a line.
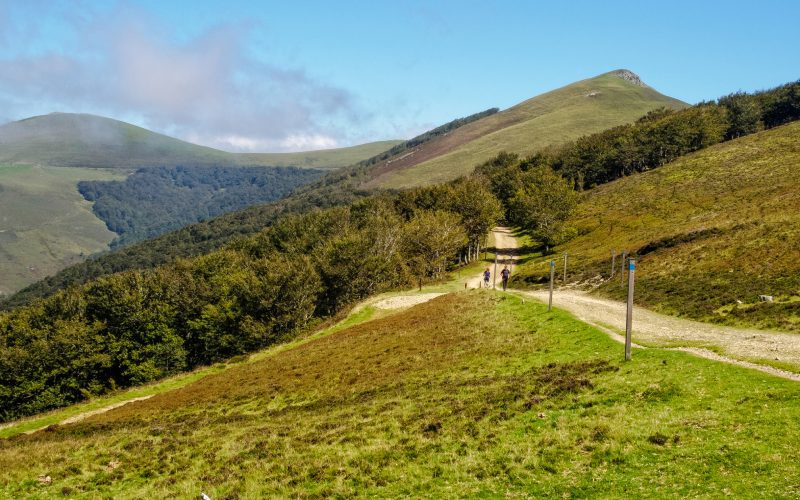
582	108
156	200
622	90
83	140
45	224
324	159
712	231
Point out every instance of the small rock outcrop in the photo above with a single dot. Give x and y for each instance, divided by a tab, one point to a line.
630	76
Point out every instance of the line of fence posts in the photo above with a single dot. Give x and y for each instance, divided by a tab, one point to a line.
565	268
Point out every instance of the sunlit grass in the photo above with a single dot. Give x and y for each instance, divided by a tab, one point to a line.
45	224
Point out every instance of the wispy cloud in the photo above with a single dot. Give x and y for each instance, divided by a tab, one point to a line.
208	89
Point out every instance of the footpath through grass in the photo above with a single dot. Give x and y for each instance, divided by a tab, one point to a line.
471	394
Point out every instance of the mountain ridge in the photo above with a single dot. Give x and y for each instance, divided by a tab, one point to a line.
88	140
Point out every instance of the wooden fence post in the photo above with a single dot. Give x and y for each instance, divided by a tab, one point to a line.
629	314
552	278
613	263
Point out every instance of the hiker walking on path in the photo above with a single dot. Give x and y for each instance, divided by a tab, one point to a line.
487	275
504	274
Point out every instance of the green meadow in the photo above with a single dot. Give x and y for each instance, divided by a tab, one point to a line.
550	119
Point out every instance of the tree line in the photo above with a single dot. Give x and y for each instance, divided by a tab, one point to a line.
141	325
657	138
252	287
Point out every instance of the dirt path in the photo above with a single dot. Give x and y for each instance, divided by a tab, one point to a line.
737	345
719	343
404	301
87	414
506	246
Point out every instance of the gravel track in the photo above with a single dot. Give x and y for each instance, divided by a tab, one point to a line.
506	246
739	346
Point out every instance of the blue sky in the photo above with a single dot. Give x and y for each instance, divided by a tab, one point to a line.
303	75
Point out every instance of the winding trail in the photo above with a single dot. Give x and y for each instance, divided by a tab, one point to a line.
657	330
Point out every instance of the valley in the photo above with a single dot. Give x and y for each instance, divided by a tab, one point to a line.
548	120
399	250
329	334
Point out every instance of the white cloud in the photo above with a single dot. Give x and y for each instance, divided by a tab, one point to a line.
308	142
206	90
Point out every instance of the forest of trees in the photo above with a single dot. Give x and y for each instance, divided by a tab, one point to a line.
153	201
137	326
655	139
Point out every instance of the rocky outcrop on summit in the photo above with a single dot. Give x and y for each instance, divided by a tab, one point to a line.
630	76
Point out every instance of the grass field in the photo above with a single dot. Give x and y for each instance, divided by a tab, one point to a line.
471	394
713	231
325	159
45	224
83	140
552	118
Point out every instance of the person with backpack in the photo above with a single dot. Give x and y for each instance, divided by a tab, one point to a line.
504	274
486	276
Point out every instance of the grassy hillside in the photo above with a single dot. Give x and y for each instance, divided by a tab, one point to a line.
552	118
45	224
713	230
470	394
82	140
325	159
